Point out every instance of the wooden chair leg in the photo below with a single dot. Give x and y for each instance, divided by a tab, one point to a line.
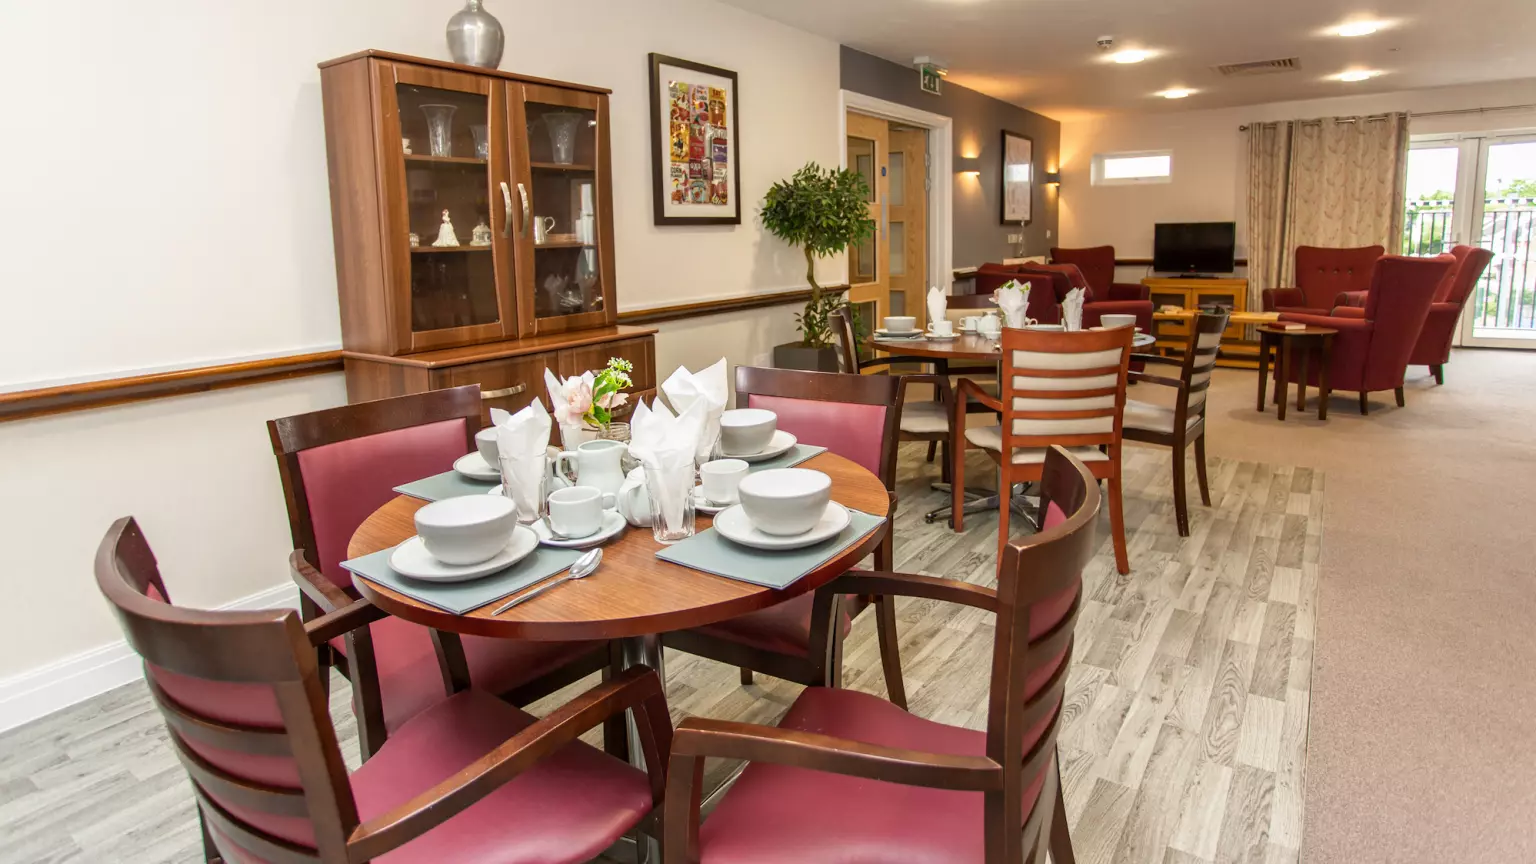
1365	407
944	470
933	447
1061	837
1438	370
957	487
746	676
210	851
1205	486
1117	526
1401	402
1180	504
890	650
1004	509
615	731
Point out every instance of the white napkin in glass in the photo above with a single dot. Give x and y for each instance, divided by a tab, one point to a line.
1072	309
938	302
521	441
1013	299
708	386
665	445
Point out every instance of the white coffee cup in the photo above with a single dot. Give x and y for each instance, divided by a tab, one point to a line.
578	510
941	328
721	479
969	323
900	324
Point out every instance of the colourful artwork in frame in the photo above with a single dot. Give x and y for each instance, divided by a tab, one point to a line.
697	168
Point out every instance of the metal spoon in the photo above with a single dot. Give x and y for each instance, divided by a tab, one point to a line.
583	567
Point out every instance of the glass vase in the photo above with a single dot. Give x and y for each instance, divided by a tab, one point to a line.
562	127
440	128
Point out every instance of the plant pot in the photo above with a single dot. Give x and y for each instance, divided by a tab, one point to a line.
795	355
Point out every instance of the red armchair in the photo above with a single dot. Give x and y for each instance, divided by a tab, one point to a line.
1065	277
1096	269
1044	300
1323	275
1372	349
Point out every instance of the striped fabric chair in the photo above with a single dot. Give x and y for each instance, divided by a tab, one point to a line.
1177	426
1057	388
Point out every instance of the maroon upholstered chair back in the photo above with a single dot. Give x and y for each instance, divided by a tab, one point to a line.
1323	273
853	416
340	464
1470	264
1096	262
242	704
990	277
1397	305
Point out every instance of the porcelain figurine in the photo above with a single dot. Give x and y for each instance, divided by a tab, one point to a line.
481	236
445	235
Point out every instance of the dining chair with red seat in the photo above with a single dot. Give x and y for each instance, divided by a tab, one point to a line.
470	778
1057	388
855	417
846	776
1371	351
338	465
1323	276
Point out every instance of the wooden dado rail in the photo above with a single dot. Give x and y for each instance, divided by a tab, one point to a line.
140	388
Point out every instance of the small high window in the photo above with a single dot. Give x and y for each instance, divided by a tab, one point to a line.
1118	169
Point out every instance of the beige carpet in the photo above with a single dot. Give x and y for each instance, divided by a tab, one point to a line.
1424	694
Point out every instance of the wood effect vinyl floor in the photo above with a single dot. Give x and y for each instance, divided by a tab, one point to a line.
1185	725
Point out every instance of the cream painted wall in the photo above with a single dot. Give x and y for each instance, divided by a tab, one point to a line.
1210	164
168	181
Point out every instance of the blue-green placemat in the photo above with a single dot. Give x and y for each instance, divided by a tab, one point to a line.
449	484
462	597
789	459
712	553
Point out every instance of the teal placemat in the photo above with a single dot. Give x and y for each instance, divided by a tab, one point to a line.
449	484
712	553
462	597
789	459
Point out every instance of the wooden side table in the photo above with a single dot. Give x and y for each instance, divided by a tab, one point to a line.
1295	347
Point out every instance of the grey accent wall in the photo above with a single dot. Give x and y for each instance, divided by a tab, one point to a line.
979	120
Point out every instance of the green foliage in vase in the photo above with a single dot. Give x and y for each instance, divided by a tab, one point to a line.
823	211
605	391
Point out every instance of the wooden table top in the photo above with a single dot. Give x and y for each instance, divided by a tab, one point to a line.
1309	330
965	346
633	593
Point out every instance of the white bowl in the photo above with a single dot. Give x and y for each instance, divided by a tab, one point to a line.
900	323
747	431
485	442
785	501
468	529
1112	321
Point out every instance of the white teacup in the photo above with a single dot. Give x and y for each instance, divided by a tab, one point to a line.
1115	320
941	328
969	323
900	324
485	442
578	510
721	479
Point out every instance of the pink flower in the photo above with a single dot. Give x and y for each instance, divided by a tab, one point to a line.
578	400
613	400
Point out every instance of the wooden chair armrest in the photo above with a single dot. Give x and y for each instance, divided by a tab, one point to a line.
325	593
941	387
914	585
966	389
1143	377
358	613
1156	359
637	688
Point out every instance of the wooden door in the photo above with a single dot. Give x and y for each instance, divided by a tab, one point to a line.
869	153
907	190
449	279
564	203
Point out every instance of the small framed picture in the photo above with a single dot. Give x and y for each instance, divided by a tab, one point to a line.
695	144
1018	178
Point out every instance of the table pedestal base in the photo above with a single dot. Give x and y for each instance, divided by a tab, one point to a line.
982	501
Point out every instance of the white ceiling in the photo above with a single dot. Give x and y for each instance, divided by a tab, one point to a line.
1042	53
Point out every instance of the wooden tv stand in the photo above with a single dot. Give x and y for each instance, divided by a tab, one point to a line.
1236	350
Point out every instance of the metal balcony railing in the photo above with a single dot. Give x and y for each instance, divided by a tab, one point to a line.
1505	298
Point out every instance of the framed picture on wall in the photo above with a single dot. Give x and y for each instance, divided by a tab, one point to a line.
695	143
1018	178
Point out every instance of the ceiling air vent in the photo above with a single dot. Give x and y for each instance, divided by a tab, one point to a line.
1260	67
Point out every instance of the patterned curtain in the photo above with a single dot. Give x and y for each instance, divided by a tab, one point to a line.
1338	181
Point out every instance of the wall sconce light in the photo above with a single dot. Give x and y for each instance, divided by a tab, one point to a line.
1053	178
971	166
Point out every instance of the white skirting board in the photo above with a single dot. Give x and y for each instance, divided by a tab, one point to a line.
58	685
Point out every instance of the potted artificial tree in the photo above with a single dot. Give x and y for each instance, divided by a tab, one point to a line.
823	212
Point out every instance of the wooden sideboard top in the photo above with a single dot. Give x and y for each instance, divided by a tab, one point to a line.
459	67
509	348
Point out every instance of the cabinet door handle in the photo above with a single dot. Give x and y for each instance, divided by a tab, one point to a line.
506	197
505	391
522	192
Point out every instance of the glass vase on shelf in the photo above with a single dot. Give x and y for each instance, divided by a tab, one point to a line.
562	127
440	128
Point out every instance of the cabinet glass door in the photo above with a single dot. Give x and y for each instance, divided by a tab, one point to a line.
455	209
565	273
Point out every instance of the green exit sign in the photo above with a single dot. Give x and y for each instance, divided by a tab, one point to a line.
929	78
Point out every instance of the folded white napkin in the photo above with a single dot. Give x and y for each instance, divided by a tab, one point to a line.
938	302
1013	299
521	441
1072	309
708	386
665	445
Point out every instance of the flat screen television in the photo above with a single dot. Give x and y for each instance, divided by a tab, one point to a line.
1194	247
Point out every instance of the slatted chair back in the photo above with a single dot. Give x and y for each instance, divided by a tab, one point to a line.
244	708
1063	388
1200	354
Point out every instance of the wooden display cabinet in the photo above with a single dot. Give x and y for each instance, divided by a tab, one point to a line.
521	166
1236	350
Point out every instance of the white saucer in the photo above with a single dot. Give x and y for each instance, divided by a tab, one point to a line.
474	466
702	505
733	525
778	445
934	337
613	523
411	559
881	331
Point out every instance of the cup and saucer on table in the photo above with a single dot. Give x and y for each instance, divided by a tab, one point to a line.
783	508
463	538
941	331
899	327
753	435
483	463
720	479
579	517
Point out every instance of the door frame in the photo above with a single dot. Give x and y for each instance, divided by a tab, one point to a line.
941	159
